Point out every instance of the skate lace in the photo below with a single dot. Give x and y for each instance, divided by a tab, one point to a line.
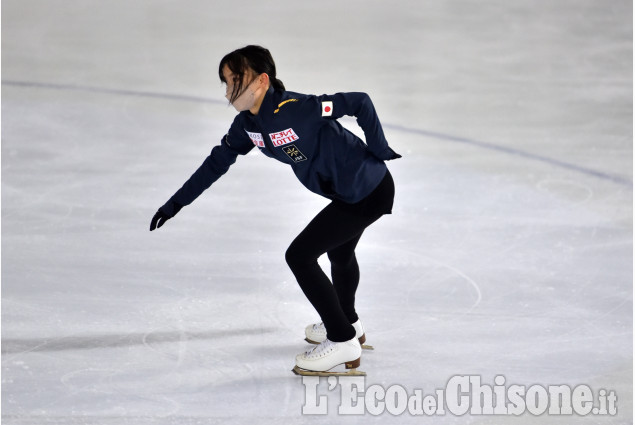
321	349
319	327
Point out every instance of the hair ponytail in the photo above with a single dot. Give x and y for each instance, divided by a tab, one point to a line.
254	58
277	84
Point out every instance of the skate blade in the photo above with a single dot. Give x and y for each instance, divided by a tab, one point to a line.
364	346
303	372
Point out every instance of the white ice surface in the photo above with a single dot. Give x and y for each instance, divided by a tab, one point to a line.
509	251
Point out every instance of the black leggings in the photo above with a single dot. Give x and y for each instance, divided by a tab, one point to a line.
336	231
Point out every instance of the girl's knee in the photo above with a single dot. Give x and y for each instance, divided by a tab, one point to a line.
296	258
290	256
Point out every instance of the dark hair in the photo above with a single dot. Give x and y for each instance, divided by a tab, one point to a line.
240	61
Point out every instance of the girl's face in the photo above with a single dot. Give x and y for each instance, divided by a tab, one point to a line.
251	91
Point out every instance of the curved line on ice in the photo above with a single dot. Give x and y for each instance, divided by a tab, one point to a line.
479	295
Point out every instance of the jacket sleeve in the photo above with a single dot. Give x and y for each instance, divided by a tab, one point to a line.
234	143
361	107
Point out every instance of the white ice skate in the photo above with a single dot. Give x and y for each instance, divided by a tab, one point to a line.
327	355
316	334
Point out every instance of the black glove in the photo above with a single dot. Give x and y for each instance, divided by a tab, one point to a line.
162	216
159	218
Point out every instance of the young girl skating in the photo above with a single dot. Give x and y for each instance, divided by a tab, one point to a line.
302	131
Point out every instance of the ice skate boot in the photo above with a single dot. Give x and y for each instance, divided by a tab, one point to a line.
327	355
316	333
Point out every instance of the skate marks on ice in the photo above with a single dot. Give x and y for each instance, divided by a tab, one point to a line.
18	346
578	193
143	369
108	382
118	92
615	178
466	278
430	269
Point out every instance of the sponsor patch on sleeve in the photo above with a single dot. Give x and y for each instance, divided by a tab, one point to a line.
256	138
327	108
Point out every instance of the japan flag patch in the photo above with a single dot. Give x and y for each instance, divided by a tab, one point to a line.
327	108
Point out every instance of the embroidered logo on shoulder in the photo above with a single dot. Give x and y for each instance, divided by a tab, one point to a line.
327	108
283	137
283	103
256	138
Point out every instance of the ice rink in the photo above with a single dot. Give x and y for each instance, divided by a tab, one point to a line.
509	251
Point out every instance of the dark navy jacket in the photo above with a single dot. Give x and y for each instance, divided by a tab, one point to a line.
302	131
